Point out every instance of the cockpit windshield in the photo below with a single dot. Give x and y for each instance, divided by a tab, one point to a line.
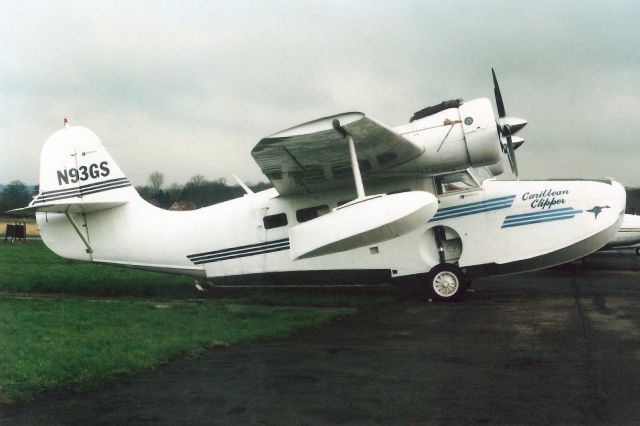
481	173
455	182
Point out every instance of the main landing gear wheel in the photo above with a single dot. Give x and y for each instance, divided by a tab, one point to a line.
446	283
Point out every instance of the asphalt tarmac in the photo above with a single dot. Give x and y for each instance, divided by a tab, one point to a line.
553	347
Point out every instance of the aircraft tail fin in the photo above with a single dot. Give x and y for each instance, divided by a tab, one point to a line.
77	174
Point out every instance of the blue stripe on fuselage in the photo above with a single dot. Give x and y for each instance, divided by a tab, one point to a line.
540	217
473	208
240	251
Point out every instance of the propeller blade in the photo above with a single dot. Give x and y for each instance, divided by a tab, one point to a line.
517	143
512	156
505	149
496	91
509	126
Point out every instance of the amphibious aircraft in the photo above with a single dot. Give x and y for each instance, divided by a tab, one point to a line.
351	197
628	235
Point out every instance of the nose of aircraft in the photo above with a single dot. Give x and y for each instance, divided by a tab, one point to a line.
602	205
619	196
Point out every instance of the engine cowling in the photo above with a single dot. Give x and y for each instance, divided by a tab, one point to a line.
456	138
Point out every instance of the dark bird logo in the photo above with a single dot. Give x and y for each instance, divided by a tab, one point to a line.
596	210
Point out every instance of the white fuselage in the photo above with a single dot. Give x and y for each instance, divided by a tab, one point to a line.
490	228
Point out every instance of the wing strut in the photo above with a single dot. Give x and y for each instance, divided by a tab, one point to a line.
355	167
75	226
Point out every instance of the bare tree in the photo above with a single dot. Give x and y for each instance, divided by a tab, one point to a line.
156	179
14	195
175	192
197	180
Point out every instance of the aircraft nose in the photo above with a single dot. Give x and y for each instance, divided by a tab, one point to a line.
619	196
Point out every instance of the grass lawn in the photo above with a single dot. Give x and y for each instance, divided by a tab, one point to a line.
68	323
32	267
49	342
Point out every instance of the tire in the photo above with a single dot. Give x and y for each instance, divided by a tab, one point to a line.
638	251
446	283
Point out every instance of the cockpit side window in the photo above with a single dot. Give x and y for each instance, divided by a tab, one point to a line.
310	213
455	182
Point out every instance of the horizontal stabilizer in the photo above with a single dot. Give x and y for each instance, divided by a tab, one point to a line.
61	207
362	222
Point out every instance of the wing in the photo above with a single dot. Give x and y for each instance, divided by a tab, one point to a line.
314	157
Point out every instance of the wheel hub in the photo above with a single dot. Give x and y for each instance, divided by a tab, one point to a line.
445	284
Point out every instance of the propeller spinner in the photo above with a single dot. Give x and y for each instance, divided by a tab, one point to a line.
507	127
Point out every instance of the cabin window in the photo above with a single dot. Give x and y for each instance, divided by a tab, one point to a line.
309	213
275	221
455	182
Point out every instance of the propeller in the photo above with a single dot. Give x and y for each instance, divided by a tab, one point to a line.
507	127
517	142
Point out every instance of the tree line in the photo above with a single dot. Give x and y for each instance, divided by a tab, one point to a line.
16	194
197	192
633	200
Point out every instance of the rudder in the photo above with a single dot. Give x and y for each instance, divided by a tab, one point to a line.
75	168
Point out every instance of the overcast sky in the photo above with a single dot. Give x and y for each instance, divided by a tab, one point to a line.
188	87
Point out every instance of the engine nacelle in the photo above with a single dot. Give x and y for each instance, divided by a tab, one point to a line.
456	138
497	169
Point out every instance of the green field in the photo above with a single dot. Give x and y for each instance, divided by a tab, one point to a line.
67	323
32	267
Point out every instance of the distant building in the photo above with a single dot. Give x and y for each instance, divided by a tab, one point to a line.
183	205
